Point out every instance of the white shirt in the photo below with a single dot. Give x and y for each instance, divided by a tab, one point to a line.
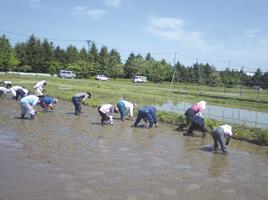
227	129
129	106
5	90
107	109
14	88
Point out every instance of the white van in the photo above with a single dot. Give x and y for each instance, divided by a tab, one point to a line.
67	74
139	79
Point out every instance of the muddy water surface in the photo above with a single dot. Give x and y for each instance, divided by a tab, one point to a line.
61	156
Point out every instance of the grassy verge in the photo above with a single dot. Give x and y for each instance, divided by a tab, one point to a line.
253	135
151	94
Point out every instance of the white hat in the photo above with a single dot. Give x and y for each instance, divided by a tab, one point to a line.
203	104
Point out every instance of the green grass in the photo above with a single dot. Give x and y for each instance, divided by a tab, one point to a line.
151	93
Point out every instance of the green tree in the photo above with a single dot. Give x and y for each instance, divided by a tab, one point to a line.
8	60
59	55
33	56
71	54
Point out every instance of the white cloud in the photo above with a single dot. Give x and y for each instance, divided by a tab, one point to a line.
113	3
173	29
91	14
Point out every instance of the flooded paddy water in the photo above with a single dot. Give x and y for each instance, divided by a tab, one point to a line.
61	156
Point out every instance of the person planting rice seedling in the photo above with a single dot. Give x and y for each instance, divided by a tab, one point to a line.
147	113
40	87
191	112
106	112
27	105
197	123
126	109
78	99
219	134
48	103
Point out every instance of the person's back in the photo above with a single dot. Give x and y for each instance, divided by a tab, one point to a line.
148	113
197	123
30	99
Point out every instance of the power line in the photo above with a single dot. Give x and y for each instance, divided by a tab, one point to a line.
89	41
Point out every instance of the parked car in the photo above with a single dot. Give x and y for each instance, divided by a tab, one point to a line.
139	79
102	78
67	74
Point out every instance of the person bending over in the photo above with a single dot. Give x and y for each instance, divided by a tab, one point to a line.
219	134
126	109
147	113
106	112
198	124
48	103
191	112
78	99
27	105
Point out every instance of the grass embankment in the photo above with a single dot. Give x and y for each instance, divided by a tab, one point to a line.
150	94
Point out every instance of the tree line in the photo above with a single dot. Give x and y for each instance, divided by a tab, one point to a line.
39	56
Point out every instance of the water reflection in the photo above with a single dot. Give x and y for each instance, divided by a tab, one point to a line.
218	165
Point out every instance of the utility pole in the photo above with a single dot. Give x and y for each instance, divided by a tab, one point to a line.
199	72
175	73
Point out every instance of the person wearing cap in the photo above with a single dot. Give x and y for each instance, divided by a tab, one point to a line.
39	88
147	113
48	103
106	112
191	112
219	134
126	109
27	105
198	124
78	99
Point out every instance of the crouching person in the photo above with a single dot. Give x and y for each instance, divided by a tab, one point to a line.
48	103
106	112
147	113
219	134
191	112
198	124
78	99
27	105
125	109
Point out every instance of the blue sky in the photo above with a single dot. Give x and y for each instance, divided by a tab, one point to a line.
224	33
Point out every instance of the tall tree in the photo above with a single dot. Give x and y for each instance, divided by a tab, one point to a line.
71	54
8	60
33	56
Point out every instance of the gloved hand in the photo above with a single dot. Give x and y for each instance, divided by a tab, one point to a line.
227	143
155	125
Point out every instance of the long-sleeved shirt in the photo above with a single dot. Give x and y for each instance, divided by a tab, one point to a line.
82	96
149	113
14	89
125	108
30	99
39	87
108	109
5	90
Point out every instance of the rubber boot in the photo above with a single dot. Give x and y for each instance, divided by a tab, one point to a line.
31	117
